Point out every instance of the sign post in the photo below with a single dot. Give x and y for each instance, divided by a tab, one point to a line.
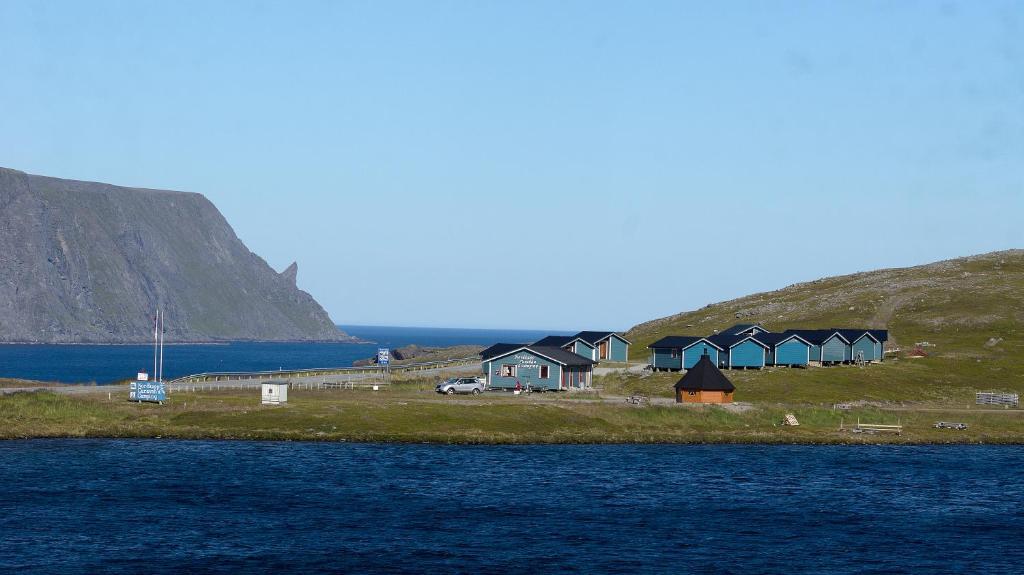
151	391
384	361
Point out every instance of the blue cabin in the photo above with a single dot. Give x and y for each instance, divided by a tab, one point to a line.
786	349
882	336
835	348
535	367
678	352
569	343
608	345
740	351
828	346
863	344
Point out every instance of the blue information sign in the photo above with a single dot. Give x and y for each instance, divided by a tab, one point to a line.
383	356
147	391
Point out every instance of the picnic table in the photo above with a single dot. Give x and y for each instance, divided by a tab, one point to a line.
638	400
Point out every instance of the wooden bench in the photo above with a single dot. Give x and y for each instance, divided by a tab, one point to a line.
872	428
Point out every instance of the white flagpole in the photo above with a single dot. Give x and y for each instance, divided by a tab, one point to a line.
161	346
156	329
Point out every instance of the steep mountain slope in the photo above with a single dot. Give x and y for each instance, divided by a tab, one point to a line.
89	262
969	308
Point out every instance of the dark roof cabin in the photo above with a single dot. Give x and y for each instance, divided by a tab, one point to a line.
609	345
570	343
704	383
677	352
500	349
741	351
534	366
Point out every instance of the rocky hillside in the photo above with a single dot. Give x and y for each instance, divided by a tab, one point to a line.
969	307
89	262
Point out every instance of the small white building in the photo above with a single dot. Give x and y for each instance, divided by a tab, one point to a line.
275	392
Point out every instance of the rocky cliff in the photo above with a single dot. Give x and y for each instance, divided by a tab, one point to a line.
90	262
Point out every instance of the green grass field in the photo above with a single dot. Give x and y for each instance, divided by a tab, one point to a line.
409	413
971	310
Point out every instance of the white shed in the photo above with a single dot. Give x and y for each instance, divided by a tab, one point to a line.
275	392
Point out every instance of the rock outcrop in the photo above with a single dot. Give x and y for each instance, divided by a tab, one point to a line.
90	262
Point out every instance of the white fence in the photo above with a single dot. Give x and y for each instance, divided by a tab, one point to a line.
997	398
236	377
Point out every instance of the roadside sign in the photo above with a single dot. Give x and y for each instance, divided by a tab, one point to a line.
383	356
147	391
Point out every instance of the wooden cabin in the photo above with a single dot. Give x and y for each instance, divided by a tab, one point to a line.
535	367
788	349
676	352
608	345
568	343
740	351
704	383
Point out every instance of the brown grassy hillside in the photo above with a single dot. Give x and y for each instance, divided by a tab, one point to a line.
971	309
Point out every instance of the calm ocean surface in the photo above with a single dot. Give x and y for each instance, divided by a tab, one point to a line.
108	363
155	506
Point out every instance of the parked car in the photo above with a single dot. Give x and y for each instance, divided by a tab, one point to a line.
474	385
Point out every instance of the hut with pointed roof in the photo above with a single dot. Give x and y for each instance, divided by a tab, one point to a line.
704	383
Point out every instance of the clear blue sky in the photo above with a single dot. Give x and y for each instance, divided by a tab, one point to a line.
540	164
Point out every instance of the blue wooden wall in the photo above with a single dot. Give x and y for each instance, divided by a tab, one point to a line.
792	352
834	350
583	348
663	359
746	354
866	345
617	349
528	366
815	353
691	355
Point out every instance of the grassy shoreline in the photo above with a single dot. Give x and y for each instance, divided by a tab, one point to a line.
415	416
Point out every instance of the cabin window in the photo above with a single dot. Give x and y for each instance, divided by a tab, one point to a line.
544	372
693	393
675	353
508	370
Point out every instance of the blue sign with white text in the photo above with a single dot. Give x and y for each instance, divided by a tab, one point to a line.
147	391
383	356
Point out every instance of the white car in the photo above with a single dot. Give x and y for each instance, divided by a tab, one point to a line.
474	385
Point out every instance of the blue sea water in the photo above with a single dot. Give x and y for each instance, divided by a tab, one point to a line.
108	363
156	506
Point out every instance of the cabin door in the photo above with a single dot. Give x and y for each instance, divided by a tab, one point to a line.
602	349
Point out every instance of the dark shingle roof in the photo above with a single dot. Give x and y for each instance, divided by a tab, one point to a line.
557	354
815	336
725	341
741	328
499	349
771	339
674	341
853	335
554	341
562	356
880	334
593	337
705	377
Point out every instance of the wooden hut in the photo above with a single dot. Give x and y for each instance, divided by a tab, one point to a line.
704	383
608	345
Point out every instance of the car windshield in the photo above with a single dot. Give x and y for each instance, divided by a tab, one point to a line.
451	380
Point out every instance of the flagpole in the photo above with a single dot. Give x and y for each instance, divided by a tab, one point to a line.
161	347
156	328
